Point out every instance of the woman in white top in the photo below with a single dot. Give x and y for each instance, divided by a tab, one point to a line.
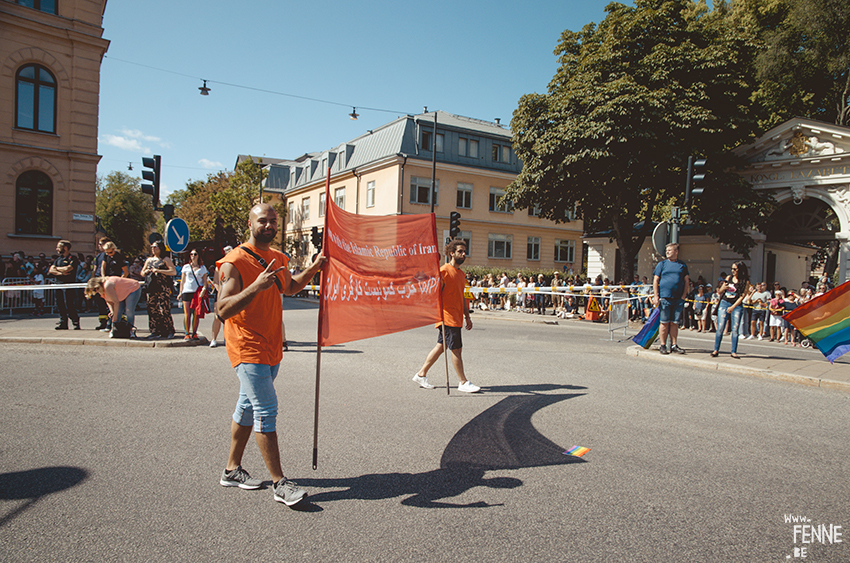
192	277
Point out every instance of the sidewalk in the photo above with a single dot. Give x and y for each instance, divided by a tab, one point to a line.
24	329
793	365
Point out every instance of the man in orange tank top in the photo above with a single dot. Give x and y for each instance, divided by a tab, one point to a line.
455	312
252	277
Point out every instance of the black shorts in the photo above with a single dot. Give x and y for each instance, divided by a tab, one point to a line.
453	339
187	297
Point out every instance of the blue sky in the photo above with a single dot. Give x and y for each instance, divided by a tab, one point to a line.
474	58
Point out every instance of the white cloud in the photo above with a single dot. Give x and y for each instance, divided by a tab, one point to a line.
136	134
125	143
211	164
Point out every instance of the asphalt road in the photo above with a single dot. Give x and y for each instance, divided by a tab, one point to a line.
114	454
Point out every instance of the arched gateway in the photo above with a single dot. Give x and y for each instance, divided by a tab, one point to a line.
805	164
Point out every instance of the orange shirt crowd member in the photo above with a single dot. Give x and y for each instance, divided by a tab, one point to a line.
455	317
252	277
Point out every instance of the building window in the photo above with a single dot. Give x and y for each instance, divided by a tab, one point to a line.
420	191
291	212
305	208
305	245
534	211
48	6
321	204
533	248
339	197
499	246
35	102
466	236
464	196
565	251
503	207
501	153
467	147
426	141
370	194
34	204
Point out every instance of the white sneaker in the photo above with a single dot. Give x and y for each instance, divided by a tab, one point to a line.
213	344
750	337
760	338
468	387
422	381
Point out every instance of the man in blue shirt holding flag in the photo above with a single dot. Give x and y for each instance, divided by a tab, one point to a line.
670	284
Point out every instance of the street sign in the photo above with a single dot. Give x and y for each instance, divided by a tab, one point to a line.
177	235
660	238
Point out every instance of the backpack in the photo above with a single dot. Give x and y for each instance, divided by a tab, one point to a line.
121	329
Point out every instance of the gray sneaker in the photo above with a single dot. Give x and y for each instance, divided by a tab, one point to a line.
288	492
663	349
239	478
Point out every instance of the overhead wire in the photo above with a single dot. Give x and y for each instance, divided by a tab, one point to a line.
255	89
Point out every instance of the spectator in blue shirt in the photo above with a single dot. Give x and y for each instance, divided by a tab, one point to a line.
670	285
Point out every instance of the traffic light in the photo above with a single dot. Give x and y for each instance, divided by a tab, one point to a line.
454	224
152	176
316	239
696	174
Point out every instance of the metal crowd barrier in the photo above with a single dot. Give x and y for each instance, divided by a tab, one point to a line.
17	294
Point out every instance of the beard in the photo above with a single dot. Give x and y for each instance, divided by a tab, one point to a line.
265	236
460	261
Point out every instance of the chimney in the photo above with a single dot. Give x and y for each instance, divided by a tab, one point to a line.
498	121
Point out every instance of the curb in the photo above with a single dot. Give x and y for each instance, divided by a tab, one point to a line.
120	342
640	352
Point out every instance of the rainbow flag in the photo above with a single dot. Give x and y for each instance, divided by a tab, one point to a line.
825	320
649	332
577	451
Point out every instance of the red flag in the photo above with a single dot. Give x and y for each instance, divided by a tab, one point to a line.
382	275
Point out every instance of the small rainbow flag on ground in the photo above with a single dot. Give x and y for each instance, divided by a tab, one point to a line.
825	320
649	332
577	451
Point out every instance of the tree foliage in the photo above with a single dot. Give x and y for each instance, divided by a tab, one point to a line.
803	59
125	212
228	195
632	99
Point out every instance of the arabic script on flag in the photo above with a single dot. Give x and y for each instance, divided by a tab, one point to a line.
382	275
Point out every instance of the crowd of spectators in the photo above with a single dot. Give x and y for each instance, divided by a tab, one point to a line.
761	318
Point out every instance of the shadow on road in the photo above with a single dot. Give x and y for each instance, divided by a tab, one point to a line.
501	437
34	484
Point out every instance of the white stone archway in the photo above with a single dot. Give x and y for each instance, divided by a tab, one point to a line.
805	159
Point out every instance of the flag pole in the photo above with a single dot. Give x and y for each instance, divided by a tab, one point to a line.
322	293
446	354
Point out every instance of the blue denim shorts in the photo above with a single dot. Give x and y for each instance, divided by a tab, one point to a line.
257	404
671	310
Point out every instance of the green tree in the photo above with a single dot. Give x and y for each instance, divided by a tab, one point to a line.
125	212
228	195
803	59
632	99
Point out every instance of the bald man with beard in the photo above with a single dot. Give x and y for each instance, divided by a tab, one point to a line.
252	278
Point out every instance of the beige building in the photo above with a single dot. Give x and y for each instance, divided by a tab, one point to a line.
388	171
50	52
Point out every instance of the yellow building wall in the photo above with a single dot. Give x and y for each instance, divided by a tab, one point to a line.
479	221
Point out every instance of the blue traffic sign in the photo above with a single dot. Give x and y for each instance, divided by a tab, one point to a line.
177	235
